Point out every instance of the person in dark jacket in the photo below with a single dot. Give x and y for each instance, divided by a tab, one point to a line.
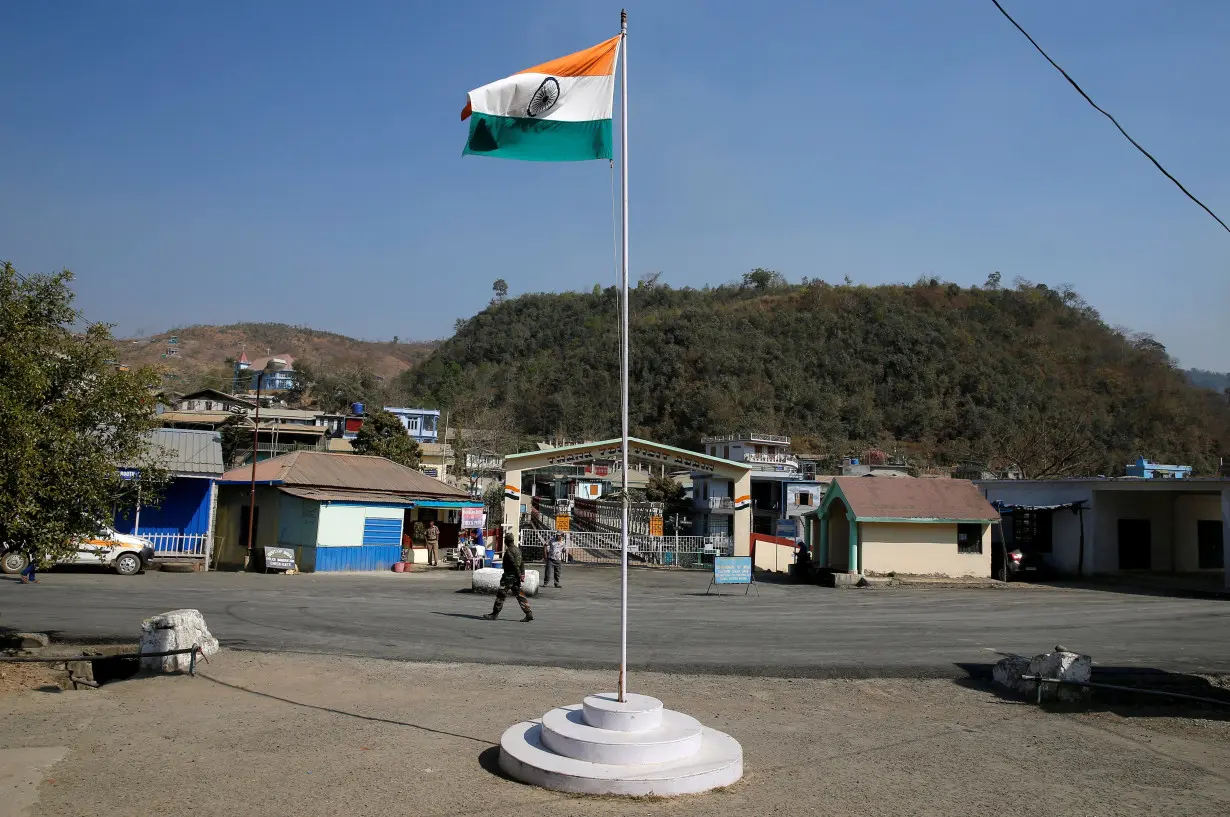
510	582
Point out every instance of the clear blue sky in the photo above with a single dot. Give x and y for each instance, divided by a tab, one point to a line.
301	161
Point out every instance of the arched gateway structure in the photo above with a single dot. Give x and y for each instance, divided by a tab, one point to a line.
642	450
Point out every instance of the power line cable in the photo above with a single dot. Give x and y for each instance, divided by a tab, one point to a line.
76	312
1115	122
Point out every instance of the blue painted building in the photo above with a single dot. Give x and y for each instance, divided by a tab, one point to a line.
1144	469
336	511
421	424
181	523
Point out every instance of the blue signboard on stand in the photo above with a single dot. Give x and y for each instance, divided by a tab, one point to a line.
732	570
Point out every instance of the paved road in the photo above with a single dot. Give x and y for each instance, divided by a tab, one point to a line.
787	630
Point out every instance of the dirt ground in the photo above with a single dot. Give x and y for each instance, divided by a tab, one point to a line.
20	677
276	734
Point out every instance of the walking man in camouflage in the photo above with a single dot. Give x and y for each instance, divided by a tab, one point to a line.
510	582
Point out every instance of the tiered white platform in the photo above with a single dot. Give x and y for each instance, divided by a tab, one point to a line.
632	748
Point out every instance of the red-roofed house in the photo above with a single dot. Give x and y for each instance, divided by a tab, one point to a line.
927	527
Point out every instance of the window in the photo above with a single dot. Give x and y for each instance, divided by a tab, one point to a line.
726	452
412	425
1031	531
804	498
1209	544
969	537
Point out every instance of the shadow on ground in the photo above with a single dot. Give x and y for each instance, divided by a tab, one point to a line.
1159	585
489	760
331	710
1134	700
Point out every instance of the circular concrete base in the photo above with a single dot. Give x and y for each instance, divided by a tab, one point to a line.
636	714
567	751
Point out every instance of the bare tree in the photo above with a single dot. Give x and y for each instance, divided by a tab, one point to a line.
1049	444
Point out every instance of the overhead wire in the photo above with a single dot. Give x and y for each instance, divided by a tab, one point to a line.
77	312
1114	121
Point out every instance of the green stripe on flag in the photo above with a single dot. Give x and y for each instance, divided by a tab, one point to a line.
538	140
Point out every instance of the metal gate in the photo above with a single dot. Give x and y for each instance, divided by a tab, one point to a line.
691	552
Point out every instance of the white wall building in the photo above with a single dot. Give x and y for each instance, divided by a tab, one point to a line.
1165	525
764	452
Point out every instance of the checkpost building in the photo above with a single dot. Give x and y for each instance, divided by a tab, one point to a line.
929	527
337	512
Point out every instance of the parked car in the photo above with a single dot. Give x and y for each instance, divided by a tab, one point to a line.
122	552
1023	564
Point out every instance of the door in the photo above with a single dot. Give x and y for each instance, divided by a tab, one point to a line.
1135	544
92	550
1210	553
243	527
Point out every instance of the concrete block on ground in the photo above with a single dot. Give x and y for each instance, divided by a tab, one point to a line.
1007	674
80	674
27	641
487	580
848	580
1063	666
1060	665
176	630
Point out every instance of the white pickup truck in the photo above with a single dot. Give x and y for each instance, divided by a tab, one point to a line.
122	552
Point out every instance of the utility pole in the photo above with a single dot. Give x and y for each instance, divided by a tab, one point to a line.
444	451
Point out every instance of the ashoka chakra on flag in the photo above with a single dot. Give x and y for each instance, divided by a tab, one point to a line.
559	111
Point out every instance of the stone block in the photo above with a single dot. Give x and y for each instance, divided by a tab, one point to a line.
176	630
1007	674
1063	666
1060	665
28	641
487	580
81	671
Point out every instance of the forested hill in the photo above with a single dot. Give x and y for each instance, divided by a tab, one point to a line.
943	372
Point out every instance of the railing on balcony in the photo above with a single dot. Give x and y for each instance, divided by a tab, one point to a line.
771	459
750	436
269	450
716	503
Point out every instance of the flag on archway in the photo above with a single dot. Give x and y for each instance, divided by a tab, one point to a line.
559	111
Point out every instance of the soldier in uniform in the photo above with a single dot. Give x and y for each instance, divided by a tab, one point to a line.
433	543
510	582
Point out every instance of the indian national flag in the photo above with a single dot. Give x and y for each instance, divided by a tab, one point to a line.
559	111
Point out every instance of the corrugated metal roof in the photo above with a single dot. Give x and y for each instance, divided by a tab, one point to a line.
291	428
190	451
326	495
288	414
201	417
319	469
915	499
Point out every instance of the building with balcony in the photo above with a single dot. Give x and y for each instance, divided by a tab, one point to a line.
778	501
780	492
421	424
761	452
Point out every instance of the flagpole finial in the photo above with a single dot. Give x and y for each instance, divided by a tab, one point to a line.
623	19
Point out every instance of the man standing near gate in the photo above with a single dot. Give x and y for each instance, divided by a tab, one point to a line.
554	557
510	582
433	543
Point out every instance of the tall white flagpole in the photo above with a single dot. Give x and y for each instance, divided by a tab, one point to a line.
625	348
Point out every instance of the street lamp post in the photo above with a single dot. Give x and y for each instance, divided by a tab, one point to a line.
273	365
